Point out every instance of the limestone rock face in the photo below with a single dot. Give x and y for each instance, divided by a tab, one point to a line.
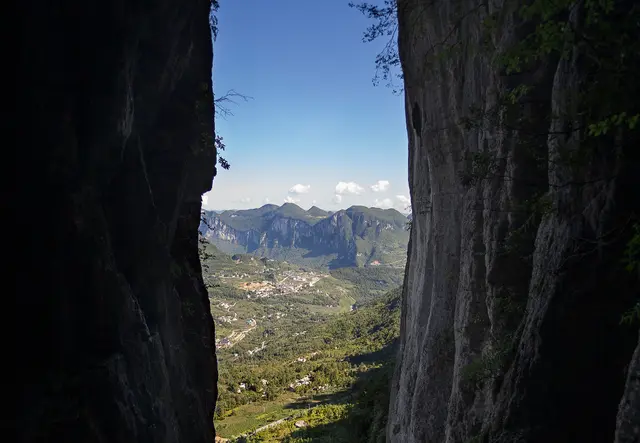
511	318
628	423
267	230
115	337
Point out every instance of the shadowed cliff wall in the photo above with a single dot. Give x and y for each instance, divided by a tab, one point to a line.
511	311
114	121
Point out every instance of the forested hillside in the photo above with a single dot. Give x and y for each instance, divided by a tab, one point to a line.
332	383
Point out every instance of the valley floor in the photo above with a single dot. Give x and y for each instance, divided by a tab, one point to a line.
344	416
303	355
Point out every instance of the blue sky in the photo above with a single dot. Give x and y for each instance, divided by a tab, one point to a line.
316	130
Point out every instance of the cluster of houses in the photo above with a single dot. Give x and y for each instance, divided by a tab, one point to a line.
222	275
257	349
227	318
226	306
243	386
306	380
304	359
278	315
292	283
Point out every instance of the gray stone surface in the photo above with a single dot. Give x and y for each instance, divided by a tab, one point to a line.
628	423
519	343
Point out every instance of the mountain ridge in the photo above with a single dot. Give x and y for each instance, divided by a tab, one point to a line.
355	236
313	210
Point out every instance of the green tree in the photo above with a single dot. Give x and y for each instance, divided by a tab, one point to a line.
385	25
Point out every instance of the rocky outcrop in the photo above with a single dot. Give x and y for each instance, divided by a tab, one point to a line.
114	124
515	285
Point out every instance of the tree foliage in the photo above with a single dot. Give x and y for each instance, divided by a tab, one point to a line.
385	26
337	354
213	20
603	37
222	104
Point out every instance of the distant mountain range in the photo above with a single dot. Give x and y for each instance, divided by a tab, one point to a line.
357	236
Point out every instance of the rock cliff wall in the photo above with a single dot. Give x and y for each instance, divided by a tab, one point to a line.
337	233
515	285
114	120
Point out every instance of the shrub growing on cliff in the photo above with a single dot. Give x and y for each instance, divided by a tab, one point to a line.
632	261
482	370
632	256
607	38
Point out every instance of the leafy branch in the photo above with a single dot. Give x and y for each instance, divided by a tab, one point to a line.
386	25
222	104
222	108
213	20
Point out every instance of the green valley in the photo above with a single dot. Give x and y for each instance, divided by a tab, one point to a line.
303	352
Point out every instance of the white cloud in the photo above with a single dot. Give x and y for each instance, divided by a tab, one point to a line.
348	188
245	200
205	200
299	189
313	202
385	203
337	198
290	199
266	200
380	186
403	203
